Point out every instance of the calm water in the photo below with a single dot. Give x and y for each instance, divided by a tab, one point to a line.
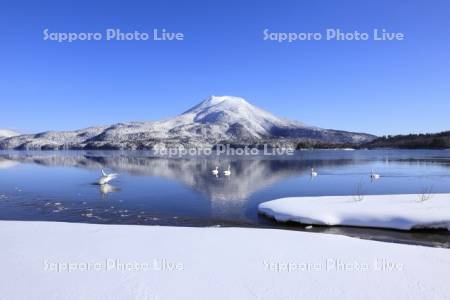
58	186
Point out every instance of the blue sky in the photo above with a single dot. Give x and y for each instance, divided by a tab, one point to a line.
369	86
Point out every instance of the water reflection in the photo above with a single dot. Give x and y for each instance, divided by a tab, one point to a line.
247	176
107	188
184	191
7	163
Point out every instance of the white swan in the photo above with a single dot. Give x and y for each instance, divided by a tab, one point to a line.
106	177
227	172
215	171
313	173
374	175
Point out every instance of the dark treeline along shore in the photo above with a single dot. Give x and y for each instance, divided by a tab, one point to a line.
439	140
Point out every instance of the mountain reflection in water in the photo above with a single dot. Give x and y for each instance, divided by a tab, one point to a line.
183	191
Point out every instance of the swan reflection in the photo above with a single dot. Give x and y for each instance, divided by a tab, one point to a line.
107	188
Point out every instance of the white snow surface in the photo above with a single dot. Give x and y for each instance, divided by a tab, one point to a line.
402	212
6	133
216	263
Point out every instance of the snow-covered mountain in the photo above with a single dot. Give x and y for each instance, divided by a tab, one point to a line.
215	120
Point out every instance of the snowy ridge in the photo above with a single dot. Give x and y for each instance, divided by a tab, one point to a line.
215	120
7	133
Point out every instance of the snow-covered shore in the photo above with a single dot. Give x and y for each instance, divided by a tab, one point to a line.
43	260
402	212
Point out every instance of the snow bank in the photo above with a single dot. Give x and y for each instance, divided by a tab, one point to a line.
43	260
403	212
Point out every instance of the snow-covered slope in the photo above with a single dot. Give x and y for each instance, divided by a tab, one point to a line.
216	119
6	133
233	110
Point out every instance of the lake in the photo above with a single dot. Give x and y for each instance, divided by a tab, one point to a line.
151	190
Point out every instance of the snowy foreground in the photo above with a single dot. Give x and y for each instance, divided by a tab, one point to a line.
44	260
403	212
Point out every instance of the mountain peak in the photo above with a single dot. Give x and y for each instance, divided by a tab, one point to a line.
223	102
230	113
213	100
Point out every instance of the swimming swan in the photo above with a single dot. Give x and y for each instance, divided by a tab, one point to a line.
227	172
374	175
215	171
313	173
